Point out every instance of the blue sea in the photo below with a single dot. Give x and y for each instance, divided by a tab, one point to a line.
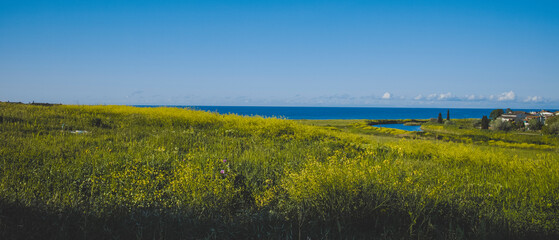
345	112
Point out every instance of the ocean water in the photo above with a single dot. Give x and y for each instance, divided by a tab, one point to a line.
400	126
344	112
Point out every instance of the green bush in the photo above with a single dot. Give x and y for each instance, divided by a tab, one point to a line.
551	126
535	124
552	120
551	129
501	125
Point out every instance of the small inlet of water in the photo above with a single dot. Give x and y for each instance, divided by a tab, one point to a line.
400	126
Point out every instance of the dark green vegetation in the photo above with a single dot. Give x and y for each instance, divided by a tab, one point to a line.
466	131
115	172
484	123
552	126
496	113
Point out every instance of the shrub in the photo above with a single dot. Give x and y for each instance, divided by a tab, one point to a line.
551	126
518	124
552	120
501	125
535	124
552	129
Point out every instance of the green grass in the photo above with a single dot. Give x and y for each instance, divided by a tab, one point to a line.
463	130
157	173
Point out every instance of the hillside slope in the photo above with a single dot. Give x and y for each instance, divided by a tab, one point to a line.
71	172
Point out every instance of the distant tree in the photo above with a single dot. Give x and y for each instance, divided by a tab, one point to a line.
535	124
552	120
484	122
552	129
551	126
508	110
518	124
496	113
440	118
501	125
448	114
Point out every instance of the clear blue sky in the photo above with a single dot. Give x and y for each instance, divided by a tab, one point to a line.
282	53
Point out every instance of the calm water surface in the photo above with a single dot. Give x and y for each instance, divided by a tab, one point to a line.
400	126
343	112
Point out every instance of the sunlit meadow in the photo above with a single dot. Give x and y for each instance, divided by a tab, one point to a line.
103	172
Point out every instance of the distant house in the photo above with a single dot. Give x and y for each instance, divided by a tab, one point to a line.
515	116
533	116
520	116
546	114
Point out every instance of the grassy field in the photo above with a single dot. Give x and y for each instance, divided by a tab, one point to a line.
117	172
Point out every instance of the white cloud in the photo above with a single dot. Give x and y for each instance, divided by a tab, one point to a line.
418	97
446	96
431	96
534	99
506	96
475	98
337	99
439	96
386	96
